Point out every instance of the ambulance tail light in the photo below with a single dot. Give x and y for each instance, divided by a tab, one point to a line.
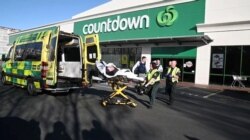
44	69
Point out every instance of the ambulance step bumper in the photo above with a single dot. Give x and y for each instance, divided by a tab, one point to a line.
58	90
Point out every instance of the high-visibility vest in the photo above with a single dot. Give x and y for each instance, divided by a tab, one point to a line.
151	74
174	72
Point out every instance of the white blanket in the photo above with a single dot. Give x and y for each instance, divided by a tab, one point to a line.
101	66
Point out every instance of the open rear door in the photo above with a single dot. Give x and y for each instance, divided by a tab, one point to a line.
51	64
92	53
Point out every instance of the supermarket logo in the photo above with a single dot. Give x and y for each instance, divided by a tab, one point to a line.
117	24
167	17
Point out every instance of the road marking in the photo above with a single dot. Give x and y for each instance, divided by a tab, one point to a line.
187	93
200	90
212	94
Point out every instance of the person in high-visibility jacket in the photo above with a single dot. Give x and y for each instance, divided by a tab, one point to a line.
172	77
153	81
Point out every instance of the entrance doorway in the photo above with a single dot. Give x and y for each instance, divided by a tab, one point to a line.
185	57
187	67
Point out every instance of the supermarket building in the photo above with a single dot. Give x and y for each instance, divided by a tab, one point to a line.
210	39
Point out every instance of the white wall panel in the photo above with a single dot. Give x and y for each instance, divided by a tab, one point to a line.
202	65
68	27
227	10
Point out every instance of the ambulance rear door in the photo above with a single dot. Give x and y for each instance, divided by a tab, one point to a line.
92	52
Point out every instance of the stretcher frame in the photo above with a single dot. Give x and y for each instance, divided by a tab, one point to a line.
118	87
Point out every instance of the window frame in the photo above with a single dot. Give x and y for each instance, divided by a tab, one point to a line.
224	74
29	50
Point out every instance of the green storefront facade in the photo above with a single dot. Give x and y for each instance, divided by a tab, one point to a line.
170	24
162	22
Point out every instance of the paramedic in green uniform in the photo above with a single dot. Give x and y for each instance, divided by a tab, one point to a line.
172	76
152	82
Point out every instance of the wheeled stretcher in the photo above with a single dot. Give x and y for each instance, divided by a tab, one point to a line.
117	79
118	96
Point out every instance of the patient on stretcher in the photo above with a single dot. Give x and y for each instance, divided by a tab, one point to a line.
110	71
118	80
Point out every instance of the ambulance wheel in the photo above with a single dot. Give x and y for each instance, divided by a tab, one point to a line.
31	88
3	79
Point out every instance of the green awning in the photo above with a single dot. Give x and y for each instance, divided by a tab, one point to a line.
173	52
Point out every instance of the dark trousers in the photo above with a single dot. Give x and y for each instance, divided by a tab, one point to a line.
170	89
152	93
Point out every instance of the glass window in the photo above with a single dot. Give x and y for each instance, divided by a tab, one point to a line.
245	61
52	49
247	82
104	50
132	51
228	80
138	54
33	51
217	60
10	54
214	79
111	50
117	50
235	61
233	58
30	52
19	52
72	54
138	50
189	65
188	77
125	50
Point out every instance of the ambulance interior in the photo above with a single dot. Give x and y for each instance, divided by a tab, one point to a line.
69	57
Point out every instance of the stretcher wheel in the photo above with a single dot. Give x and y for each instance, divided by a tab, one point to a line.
133	104
104	103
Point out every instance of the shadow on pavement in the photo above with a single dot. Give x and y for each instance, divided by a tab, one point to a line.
74	101
76	116
13	128
163	99
143	102
103	94
98	132
190	138
226	119
92	91
59	132
242	95
114	121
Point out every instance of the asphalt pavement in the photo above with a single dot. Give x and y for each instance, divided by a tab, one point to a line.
197	114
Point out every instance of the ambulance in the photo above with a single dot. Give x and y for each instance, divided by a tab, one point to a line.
50	60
